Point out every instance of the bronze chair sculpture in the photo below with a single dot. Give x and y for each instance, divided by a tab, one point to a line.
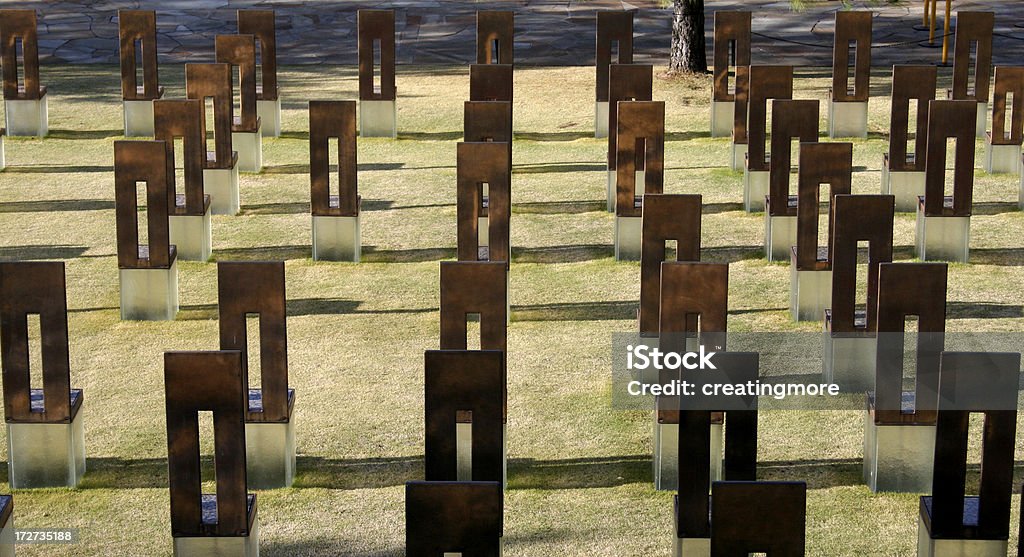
626	82
810	264
260	24
148	272
25	100
732	50
790	120
495	37
239	51
453	517
377	96
694	303
257	290
640	146
190	212
849	332
484	204
203	522
337	234
665	218
899	426
212	83
973	35
972	382
614	46
137	31
464	415
1002	144
903	171
45	434
765	82
694	525
848	106
944	222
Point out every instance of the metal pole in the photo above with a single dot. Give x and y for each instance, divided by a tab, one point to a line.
945	35
931	25
924	17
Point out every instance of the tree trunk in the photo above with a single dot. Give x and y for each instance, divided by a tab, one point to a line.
688	52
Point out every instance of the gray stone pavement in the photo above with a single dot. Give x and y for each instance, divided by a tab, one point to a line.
548	32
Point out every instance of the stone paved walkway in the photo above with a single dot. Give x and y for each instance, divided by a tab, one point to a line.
548	32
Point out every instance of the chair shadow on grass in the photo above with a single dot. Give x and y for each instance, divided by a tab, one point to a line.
286	208
56	205
56	169
1009	257
577	311
558	167
562	254
994	207
417	255
35	253
264	253
523	473
579	473
431	136
340	543
558	207
302	207
303	168
299	307
716	208
730	254
553	136
362	473
983	310
84	134
818	473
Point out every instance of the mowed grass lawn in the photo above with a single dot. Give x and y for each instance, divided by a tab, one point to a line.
579	470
